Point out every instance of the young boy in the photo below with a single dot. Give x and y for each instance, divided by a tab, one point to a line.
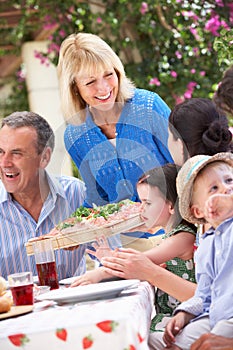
205	189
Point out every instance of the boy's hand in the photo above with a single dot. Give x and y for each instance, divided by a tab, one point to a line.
172	329
174	326
219	207
93	276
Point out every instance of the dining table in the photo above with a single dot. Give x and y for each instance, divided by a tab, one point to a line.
116	323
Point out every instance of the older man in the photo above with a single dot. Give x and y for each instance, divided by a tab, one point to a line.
32	202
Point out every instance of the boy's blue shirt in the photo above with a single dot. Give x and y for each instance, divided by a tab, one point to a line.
214	273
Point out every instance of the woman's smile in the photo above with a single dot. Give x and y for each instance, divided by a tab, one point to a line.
105	97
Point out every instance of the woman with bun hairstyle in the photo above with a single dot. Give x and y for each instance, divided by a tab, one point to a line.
197	127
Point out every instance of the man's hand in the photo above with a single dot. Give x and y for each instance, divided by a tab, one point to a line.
102	248
211	341
72	248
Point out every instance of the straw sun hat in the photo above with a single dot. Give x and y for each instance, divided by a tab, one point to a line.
188	174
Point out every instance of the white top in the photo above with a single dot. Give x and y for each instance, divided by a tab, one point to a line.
113	142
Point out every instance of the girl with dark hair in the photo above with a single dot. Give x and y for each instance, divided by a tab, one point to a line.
157	191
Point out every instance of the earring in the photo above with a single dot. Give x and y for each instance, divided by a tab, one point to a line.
171	209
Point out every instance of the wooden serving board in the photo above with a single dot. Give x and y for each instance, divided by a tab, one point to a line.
71	236
16	311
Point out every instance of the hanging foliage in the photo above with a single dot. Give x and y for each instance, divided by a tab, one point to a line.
177	48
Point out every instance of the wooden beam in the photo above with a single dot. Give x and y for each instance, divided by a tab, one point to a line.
8	65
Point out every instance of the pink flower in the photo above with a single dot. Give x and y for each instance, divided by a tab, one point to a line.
178	99
190	87
99	20
188	94
193	71
144	8
21	75
190	14
174	74
202	73
62	33
214	24
53	48
178	55
154	81
43	59
49	25
37	54
219	3
194	33
231	12
196	51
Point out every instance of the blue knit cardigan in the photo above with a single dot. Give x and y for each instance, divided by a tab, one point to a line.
111	173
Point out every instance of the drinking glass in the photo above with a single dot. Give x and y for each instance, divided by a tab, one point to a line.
21	286
45	263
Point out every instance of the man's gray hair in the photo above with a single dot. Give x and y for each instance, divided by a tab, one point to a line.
45	134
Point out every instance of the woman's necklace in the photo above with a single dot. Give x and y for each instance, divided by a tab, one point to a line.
109	130
107	125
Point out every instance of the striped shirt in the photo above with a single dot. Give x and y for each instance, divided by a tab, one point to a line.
17	226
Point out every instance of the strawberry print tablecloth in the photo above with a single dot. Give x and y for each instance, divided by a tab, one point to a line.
121	323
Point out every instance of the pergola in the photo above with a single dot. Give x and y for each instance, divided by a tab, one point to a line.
42	84
9	20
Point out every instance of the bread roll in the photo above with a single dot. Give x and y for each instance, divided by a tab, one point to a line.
5	304
2	285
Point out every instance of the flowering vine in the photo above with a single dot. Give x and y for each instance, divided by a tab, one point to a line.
176	48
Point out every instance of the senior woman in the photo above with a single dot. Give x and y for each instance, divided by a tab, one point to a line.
115	131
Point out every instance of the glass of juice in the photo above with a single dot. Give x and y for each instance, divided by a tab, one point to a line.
45	263
21	285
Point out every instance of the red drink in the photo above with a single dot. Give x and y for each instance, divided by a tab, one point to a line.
23	295
47	274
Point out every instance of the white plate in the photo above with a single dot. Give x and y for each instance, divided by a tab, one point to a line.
89	292
68	281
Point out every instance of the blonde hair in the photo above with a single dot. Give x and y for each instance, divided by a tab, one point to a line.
86	52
